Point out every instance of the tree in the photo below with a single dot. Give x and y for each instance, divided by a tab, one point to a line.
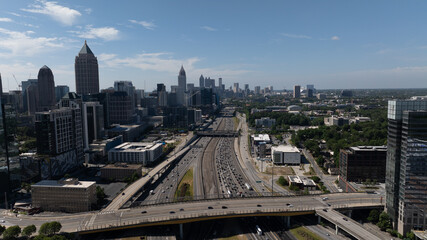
11	232
44	229
29	230
55	227
2	229
100	195
282	181
374	216
384	221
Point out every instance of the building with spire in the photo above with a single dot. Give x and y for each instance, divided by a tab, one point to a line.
86	72
201	82
46	89
182	87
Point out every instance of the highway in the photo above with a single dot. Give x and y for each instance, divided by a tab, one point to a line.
246	161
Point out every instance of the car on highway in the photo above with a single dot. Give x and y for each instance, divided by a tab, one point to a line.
210	207
325	198
259	205
325	210
345	219
144	212
224	207
181	209
172	212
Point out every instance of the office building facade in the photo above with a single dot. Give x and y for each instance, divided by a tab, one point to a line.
297	91
136	152
357	164
86	72
46	89
406	167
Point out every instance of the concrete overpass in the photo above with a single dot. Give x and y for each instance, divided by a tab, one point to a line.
217	133
346	224
193	211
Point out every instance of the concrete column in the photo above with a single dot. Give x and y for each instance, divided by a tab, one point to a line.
181	231
288	221
336	229
319	219
349	213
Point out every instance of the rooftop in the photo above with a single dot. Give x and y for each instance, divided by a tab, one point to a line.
65	183
261	138
369	148
122	166
136	146
85	49
286	148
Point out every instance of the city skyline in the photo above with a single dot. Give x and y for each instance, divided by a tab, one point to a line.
282	44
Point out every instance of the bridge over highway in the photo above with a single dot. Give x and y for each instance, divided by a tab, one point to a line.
217	133
346	224
193	211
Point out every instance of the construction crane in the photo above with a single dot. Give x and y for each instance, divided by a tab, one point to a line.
19	85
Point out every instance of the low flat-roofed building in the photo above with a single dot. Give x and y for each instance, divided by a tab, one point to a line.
336	121
66	195
120	171
260	138
136	152
265	122
302	182
285	154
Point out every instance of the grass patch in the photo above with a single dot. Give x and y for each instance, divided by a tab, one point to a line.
238	237
185	187
279	170
311	172
236	122
302	233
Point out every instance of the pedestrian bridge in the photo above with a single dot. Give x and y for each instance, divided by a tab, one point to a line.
217	133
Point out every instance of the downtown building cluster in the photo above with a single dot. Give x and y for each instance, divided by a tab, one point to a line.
73	128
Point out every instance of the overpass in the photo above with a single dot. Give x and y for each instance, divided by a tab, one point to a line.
138	185
217	133
194	211
346	224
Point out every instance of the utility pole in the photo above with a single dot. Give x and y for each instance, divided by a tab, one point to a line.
272	178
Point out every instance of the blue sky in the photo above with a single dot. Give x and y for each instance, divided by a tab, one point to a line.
331	44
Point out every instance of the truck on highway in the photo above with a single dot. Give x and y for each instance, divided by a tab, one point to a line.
248	186
229	193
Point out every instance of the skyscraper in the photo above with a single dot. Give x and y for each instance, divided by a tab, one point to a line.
406	168
201	81
297	91
46	89
182	79
86	71
60	91
182	86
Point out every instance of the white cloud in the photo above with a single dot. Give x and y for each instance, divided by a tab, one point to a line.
62	14
14	14
6	20
290	35
335	38
88	10
145	24
106	33
210	29
165	63
22	44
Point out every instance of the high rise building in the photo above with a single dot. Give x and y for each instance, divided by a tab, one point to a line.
60	91
297	91
93	122
406	166
46	89
236	87
201	81
86	71
182	87
59	136
25	85
220	83
257	90
162	95
126	86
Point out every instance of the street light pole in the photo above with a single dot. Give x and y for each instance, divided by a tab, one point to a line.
272	171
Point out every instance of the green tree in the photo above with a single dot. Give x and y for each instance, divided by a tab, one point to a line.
55	227
282	181
29	230
2	229
374	216
11	232
100	195
384	221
